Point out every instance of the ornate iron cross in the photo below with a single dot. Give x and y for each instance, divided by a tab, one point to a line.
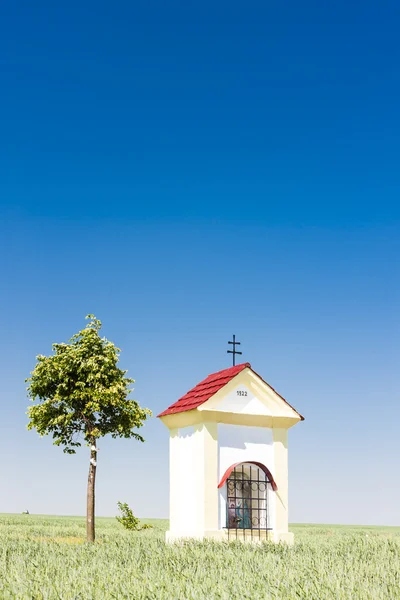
234	351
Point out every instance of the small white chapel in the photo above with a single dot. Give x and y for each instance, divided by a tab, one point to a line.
229	459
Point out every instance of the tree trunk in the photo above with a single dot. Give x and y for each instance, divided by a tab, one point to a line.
90	534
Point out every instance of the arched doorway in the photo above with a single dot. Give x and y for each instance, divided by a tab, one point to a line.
248	487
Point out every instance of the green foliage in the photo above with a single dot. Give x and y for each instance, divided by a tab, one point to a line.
83	394
46	558
128	519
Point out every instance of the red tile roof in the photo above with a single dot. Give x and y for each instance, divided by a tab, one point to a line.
210	386
204	390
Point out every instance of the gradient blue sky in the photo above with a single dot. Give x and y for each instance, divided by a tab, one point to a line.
188	174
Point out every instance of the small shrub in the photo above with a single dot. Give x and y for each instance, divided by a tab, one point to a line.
128	519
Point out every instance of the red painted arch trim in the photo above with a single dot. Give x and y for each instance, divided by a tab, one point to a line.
249	462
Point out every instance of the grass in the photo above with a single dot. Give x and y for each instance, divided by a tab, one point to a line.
46	558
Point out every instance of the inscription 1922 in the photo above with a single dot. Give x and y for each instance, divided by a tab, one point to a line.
241	393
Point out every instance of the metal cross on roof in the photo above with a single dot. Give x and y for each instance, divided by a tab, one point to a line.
234	351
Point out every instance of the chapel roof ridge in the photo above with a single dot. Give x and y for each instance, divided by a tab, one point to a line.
241	366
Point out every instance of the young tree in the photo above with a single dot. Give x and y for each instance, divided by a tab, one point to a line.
84	396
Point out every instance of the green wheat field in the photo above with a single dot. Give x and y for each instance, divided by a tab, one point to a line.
45	558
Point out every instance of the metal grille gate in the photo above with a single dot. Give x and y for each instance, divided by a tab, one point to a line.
247	503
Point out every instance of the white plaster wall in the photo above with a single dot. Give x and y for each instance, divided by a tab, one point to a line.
238	443
184	494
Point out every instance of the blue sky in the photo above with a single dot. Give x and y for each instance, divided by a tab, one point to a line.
189	175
